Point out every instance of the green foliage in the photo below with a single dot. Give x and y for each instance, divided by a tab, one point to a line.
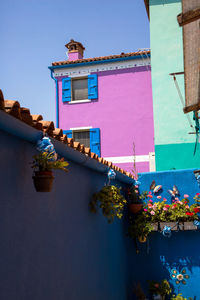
163	288
180	297
110	201
45	161
134	197
140	227
179	210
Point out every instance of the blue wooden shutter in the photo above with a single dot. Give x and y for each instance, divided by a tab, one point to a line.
95	141
92	86
66	89
68	133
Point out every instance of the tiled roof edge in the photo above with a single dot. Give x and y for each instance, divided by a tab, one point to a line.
101	58
21	123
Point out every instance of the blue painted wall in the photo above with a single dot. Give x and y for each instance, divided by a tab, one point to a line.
160	254
51	246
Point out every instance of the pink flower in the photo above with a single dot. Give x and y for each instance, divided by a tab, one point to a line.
187	206
164	199
136	186
186	196
152	212
197	194
165	208
136	191
149	192
176	198
145	209
150	200
159	197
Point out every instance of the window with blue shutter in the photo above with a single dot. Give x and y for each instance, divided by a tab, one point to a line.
92	86
66	89
92	140
95	141
68	133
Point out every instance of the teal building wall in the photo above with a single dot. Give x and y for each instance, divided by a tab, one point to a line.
174	146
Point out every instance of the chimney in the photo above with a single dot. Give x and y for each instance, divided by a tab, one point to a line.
75	50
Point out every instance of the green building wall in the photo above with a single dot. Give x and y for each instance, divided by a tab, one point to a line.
174	146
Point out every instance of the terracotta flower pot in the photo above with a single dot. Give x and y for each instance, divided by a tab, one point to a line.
135	208
43	181
142	239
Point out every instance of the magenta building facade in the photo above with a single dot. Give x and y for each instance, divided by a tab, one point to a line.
106	103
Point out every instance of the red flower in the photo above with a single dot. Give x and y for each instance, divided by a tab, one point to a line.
174	205
196	209
189	213
168	206
149	196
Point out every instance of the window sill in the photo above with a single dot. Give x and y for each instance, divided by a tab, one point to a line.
79	101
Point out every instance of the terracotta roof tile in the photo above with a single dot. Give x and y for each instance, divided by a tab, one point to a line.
77	145
64	139
110	164
26	116
82	148
37	118
70	142
23	114
12	107
57	134
101	58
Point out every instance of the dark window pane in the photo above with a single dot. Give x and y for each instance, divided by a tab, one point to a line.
82	137
79	89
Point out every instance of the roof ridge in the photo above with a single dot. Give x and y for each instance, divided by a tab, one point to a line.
13	108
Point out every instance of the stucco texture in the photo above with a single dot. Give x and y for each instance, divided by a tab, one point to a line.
52	246
170	123
123	112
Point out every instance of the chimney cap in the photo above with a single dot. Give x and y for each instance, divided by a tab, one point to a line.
70	46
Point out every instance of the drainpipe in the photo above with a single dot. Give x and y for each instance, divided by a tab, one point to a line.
57	103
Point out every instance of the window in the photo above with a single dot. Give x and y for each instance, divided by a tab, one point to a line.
89	138
79	89
82	137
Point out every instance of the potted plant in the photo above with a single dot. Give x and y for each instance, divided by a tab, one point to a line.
140	228
111	202
135	200
159	290
43	164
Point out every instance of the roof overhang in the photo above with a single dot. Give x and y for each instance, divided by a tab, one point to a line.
146	2
97	62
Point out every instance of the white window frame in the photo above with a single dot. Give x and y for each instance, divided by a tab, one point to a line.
84	76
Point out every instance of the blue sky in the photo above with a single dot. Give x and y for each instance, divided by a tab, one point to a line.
34	32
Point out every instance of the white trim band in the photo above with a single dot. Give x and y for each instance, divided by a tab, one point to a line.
104	66
127	159
81	128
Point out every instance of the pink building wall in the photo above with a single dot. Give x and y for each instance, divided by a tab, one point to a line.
123	112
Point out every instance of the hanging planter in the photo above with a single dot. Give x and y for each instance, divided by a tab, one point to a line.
44	163
135	208
135	200
43	181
